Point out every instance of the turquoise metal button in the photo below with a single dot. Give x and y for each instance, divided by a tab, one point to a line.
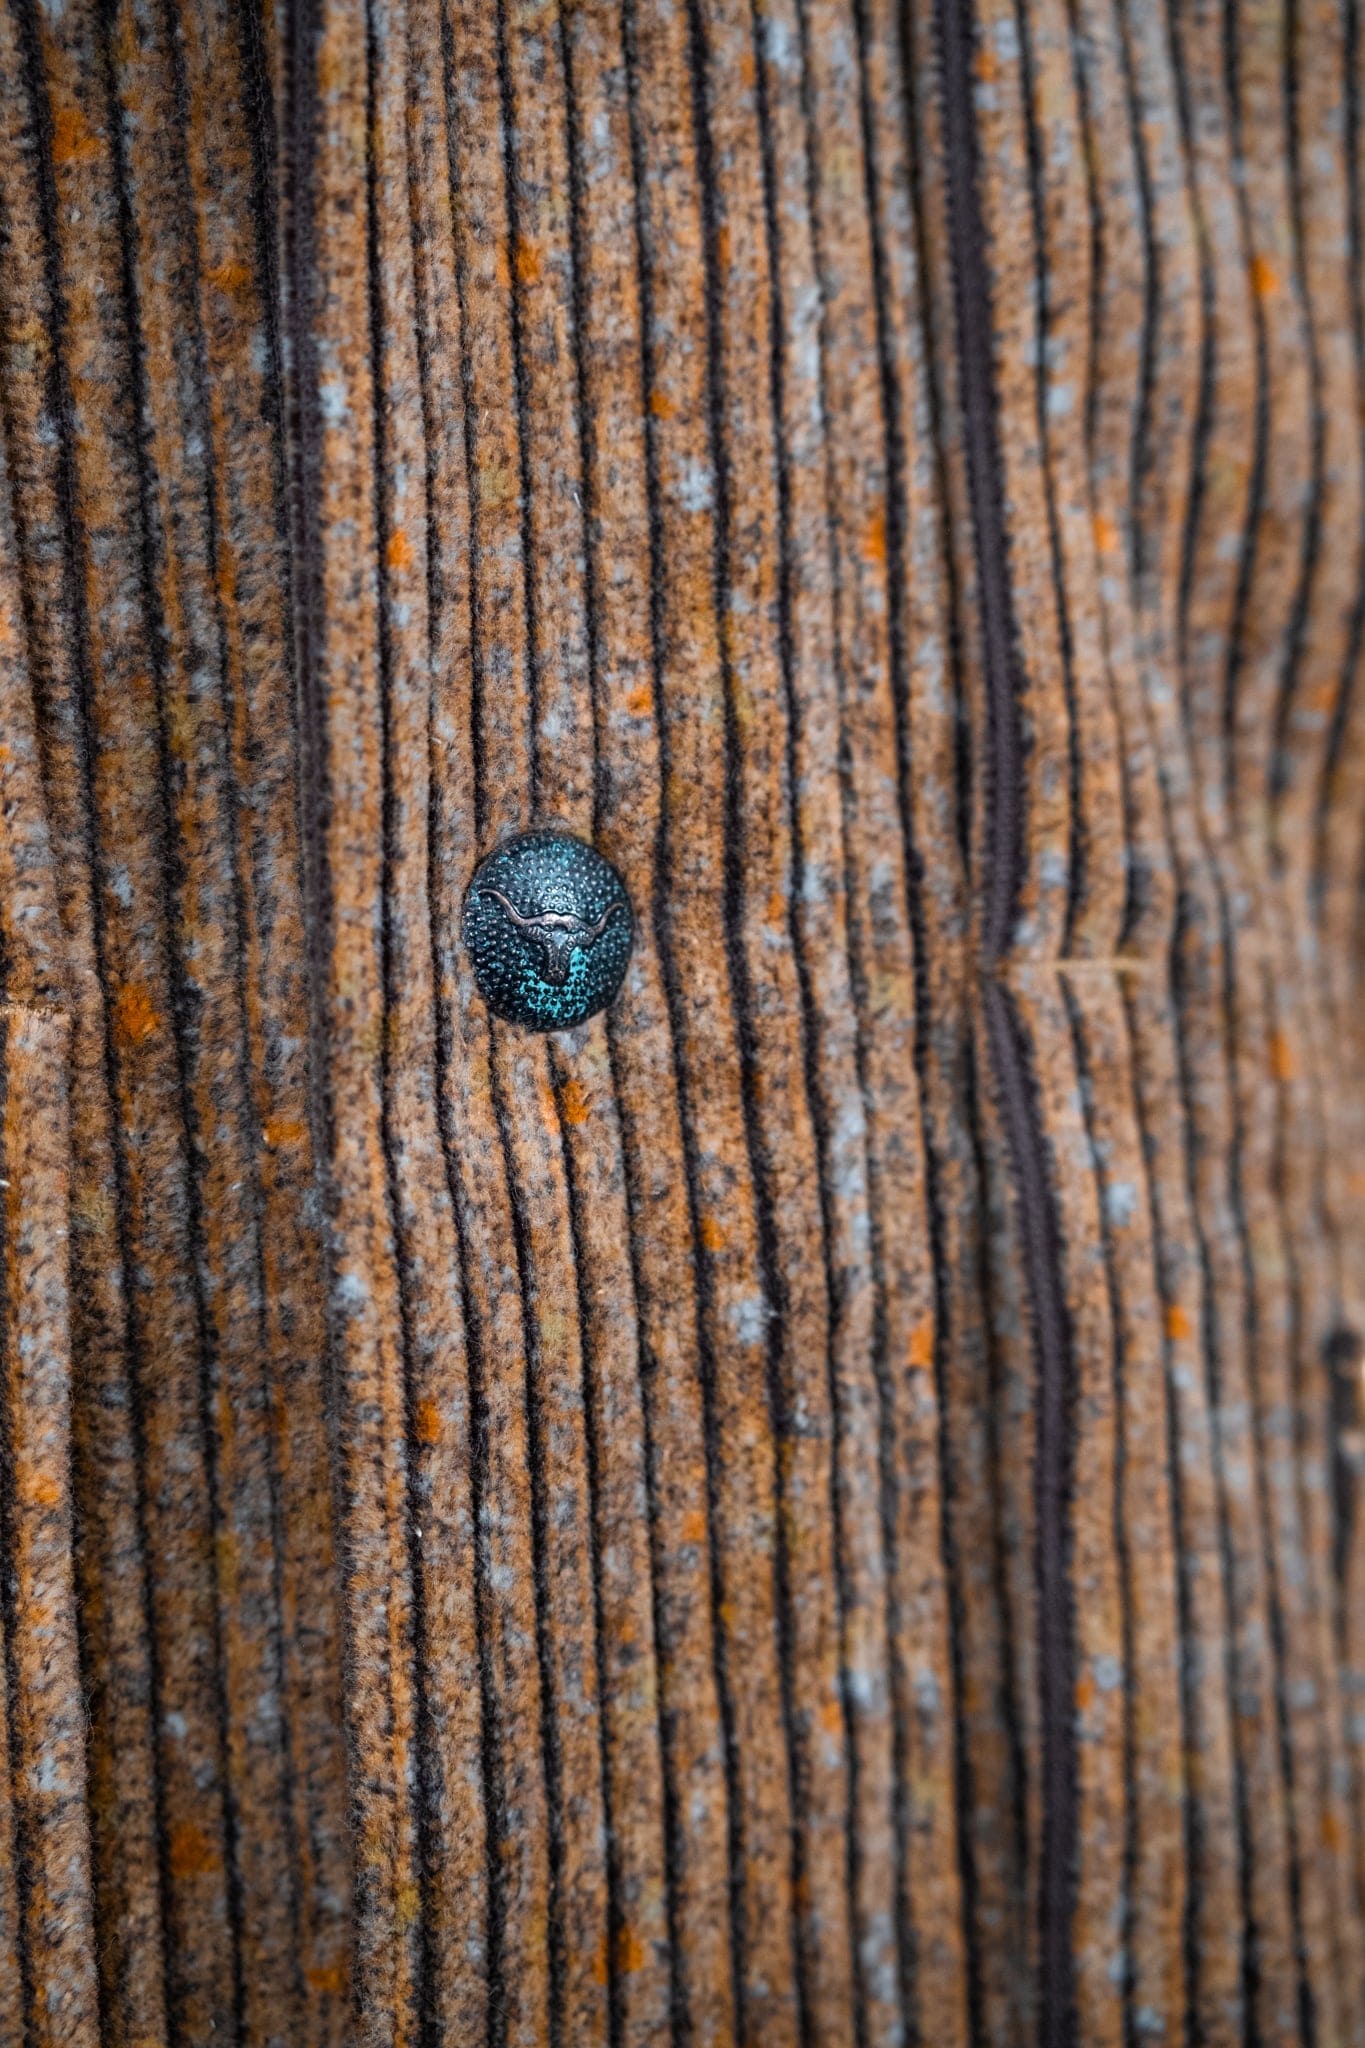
549	929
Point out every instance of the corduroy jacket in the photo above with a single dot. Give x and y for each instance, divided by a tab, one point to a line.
814	1508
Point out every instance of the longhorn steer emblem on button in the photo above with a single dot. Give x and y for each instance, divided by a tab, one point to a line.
556	933
549	928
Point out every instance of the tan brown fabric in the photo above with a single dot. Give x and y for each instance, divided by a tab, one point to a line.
816	1510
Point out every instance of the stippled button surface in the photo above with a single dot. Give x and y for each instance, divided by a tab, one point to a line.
549	929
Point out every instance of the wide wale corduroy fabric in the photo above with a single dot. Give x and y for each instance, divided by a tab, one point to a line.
818	1509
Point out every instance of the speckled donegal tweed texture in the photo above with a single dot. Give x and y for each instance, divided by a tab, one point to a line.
818	1508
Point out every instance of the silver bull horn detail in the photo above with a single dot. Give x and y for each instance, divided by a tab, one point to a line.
555	934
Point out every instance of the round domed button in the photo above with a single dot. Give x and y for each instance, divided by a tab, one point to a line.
549	929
